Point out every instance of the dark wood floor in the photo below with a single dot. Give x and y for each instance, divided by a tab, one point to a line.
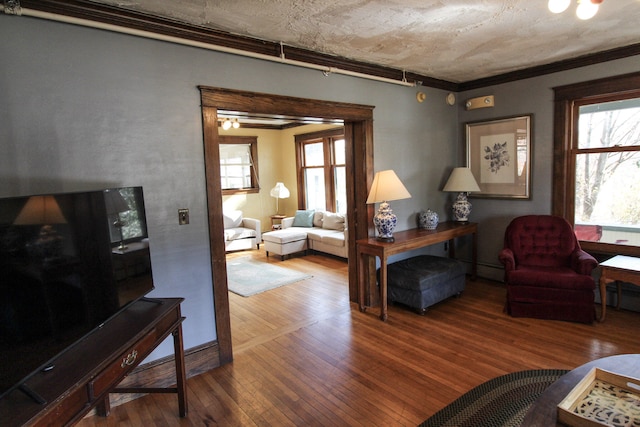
305	356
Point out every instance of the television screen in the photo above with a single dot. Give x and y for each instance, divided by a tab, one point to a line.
68	262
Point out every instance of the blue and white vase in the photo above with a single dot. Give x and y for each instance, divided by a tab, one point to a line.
428	219
385	221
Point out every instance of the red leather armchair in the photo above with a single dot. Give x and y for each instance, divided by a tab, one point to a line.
548	275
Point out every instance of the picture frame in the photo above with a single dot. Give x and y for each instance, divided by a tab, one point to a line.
499	156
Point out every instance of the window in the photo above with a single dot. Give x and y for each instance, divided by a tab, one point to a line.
239	164
130	221
322	171
597	185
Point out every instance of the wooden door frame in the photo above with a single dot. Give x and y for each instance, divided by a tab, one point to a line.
358	124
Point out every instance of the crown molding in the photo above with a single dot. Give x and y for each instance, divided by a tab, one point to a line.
88	10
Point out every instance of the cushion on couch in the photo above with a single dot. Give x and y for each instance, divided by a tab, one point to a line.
303	218
232	219
333	221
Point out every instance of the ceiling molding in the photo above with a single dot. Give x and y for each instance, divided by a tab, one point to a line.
126	18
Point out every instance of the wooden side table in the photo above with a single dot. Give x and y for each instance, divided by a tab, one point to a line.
277	225
618	269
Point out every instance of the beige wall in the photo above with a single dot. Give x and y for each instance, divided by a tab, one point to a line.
276	162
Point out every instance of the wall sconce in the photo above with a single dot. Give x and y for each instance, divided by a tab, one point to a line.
479	102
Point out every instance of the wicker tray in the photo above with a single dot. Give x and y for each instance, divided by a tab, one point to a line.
602	398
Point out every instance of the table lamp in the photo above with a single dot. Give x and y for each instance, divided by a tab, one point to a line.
386	186
279	192
462	181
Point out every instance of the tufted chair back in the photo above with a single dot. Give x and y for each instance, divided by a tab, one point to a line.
541	241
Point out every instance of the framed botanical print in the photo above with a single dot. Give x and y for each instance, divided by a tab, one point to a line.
499	156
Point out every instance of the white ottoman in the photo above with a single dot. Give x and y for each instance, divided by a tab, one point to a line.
284	242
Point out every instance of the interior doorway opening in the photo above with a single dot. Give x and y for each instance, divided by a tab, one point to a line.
358	126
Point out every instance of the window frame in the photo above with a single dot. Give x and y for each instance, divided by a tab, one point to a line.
567	101
327	137
252	141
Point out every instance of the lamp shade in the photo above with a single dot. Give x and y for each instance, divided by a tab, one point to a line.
280	191
461	180
114	202
387	186
40	210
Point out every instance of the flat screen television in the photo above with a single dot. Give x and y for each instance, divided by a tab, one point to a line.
68	263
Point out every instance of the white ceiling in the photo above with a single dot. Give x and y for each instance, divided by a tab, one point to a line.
452	40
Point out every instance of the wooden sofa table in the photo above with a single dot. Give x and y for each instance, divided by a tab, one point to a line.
404	241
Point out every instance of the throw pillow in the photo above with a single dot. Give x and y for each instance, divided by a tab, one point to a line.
303	219
232	219
333	221
317	219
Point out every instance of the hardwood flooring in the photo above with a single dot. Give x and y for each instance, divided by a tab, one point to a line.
305	356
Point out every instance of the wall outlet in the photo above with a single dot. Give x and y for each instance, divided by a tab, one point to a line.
183	216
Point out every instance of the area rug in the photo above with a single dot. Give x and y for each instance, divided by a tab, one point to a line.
500	402
247	277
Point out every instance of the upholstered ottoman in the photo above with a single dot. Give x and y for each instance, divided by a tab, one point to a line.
424	280
284	242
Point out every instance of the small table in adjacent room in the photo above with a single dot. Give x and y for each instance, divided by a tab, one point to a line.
618	269
277	225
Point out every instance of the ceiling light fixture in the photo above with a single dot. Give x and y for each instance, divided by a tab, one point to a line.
228	124
586	8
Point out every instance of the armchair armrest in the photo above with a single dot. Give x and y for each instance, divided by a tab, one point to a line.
507	259
582	262
253	224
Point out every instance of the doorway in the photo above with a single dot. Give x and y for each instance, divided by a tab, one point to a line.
358	125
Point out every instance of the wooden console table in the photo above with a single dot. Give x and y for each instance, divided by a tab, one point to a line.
618	269
404	241
84	375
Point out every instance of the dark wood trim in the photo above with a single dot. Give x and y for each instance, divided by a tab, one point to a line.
565	133
135	20
554	67
358	120
216	233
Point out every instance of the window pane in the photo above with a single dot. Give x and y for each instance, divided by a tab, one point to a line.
314	181
341	189
339	154
610	124
608	195
313	154
235	166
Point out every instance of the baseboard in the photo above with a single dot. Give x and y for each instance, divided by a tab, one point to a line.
161	372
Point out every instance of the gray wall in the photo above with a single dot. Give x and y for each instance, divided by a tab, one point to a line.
531	96
82	108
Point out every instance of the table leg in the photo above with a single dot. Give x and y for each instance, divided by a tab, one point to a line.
603	295
361	281
619	286
383	290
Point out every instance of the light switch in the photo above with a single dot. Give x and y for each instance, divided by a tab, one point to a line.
183	216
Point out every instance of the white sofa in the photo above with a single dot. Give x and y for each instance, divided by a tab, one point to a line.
326	232
241	233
